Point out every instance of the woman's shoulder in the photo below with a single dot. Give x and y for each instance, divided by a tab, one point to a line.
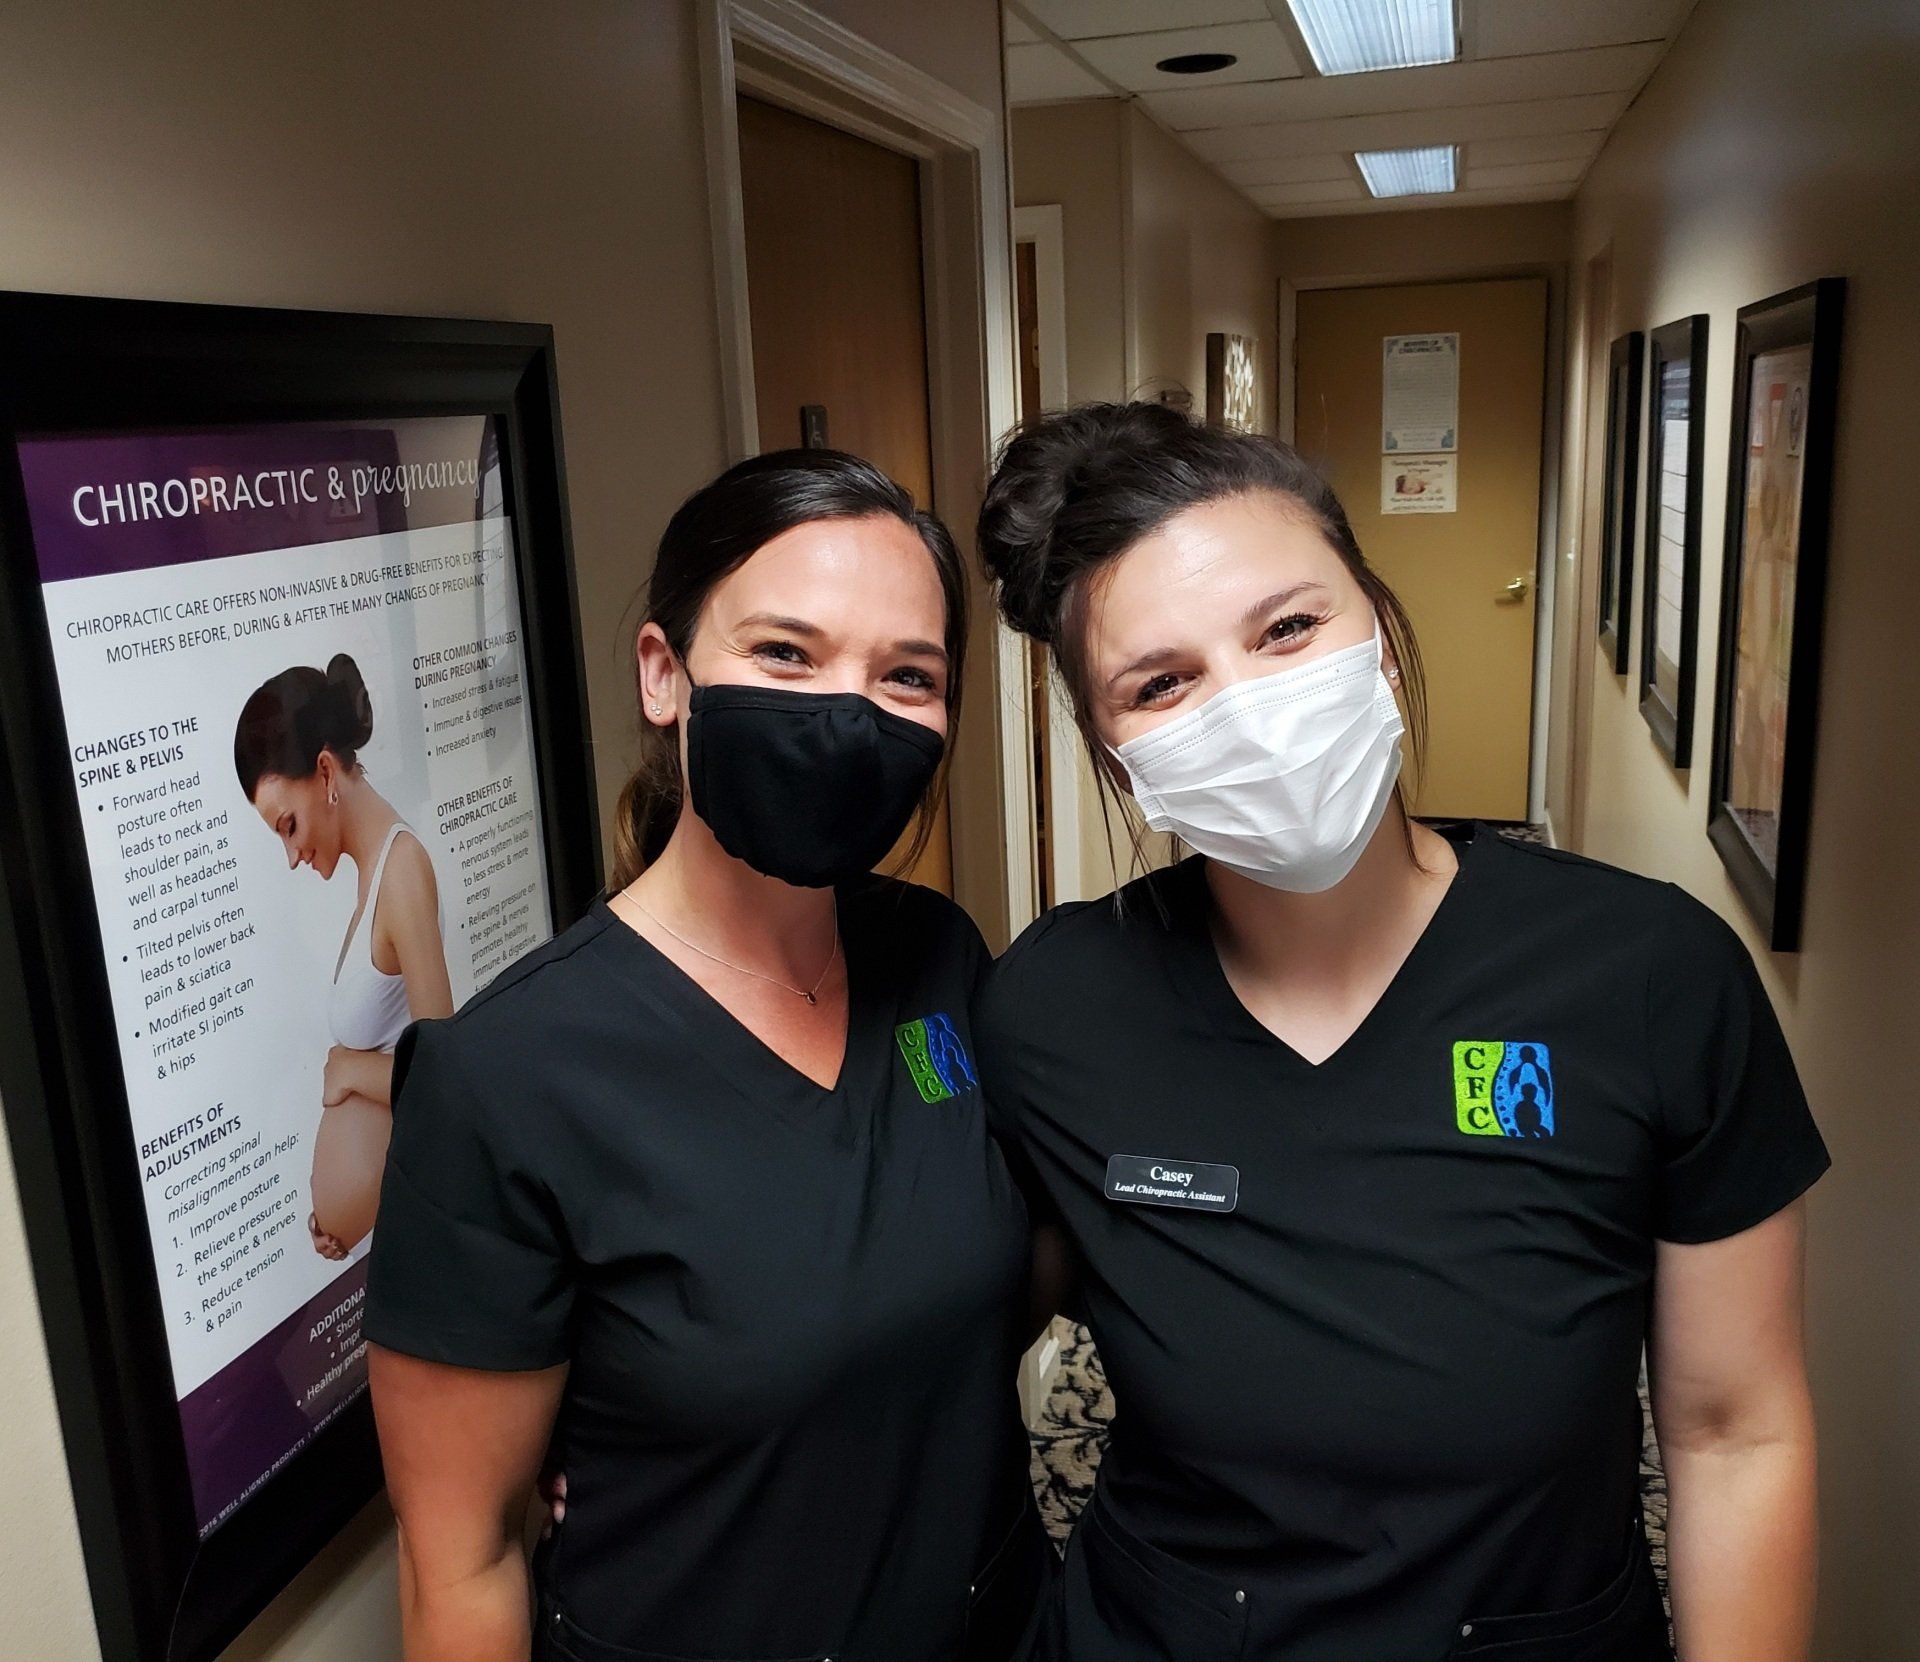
1652	920
1561	880
907	915
1072	944
525	994
407	876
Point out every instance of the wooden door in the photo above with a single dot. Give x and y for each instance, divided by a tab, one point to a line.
838	311
1466	576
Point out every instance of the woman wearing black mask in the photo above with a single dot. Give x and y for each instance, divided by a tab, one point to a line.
705	1181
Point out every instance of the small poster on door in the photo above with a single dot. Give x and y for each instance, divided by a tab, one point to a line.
1418	484
1419	393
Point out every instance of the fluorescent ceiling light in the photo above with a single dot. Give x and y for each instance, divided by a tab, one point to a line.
1426	172
1346	36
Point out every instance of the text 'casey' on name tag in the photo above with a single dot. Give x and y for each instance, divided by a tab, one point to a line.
1144	1180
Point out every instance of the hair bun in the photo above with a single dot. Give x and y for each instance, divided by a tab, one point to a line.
1052	475
352	724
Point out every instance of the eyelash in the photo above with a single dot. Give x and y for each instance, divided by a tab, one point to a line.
1152	691
789	656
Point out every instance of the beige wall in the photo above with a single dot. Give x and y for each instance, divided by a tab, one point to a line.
1158	252
1775	145
1416	244
1075	155
491	159
1204	262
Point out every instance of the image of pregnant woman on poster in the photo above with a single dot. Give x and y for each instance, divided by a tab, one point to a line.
296	749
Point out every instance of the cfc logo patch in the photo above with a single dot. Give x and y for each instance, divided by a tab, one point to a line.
1503	1088
936	1058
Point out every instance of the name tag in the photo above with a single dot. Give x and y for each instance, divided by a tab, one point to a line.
1142	1180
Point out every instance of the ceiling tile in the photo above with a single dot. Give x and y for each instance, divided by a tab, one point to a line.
1287	170
1554	75
1018	28
1524	173
1503	28
1348	189
1084	19
1536	147
1129	59
1042	74
1389	132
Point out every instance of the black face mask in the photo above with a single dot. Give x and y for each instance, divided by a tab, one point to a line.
811	788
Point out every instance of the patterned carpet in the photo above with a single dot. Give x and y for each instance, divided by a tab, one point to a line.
1073	1425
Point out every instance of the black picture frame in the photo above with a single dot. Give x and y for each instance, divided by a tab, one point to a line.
1620	482
1794	334
81	365
1669	713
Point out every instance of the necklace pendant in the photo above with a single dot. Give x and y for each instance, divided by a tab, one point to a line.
810	998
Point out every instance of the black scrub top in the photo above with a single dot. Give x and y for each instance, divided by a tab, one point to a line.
1374	1326
791	1427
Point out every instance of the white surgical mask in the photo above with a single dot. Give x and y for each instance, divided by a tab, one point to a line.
1283	778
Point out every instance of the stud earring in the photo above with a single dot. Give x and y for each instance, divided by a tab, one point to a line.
1393	672
655	708
333	799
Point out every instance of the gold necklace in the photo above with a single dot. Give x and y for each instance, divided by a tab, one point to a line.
808	993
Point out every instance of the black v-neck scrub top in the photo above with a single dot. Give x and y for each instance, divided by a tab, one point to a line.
1374	1326
790	1428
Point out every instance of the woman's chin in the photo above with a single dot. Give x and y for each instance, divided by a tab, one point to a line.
349	1154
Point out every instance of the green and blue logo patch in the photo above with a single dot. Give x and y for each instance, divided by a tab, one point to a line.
936	1058
1503	1088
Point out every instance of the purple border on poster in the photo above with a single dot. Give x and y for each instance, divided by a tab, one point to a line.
265	1405
104	503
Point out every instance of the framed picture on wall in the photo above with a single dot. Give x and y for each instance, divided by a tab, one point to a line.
275	587
1620	483
1773	583
1233	394
1670	598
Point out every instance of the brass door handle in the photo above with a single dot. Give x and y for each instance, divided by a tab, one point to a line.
1516	590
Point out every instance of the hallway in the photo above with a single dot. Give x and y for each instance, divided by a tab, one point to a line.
1598	315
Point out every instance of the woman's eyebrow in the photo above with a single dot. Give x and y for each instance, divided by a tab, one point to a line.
812	631
1252	615
1259	609
792	625
1147	660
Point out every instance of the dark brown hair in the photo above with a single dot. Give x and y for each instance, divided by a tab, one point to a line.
302	711
1074	491
711	535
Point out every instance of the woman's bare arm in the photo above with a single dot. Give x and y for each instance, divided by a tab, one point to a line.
409	917
462	1448
407	922
1735	1422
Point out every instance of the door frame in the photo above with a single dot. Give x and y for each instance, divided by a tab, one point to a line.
1044	225
1587	426
788	54
1552	406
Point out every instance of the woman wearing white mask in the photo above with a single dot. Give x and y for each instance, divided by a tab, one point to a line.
1382	1151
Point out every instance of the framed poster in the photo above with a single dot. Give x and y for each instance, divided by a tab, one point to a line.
1620	483
1786	369
1670	601
287	629
1233	393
